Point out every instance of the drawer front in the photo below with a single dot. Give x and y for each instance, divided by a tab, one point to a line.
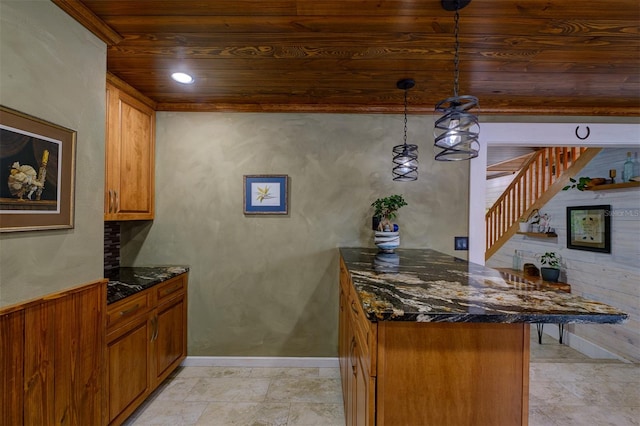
127	309
172	287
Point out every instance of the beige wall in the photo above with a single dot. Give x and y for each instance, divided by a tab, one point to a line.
267	286
53	68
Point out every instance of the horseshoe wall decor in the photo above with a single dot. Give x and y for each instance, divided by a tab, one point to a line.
585	136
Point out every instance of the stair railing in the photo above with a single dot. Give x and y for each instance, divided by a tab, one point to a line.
523	195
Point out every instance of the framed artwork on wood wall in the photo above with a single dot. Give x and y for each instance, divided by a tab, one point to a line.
589	228
37	173
266	194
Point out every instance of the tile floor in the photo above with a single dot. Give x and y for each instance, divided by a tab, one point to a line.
566	388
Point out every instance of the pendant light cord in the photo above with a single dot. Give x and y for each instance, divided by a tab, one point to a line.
456	59
405	117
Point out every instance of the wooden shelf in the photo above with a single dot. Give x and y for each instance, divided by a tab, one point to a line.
614	186
538	234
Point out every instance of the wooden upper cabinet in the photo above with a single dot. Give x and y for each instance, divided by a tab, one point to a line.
130	152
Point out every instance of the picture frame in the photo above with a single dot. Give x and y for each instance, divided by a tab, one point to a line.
589	228
37	173
266	194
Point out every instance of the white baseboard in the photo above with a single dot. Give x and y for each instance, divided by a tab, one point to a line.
581	345
279	362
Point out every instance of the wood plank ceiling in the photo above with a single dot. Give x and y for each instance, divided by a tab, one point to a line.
567	57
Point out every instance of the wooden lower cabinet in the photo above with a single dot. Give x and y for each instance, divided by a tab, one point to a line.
52	359
146	341
171	337
128	359
358	382
397	373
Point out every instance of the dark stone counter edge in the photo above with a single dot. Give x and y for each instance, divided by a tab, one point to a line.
502	319
127	281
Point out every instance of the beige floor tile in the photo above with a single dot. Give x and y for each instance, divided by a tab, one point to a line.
213	372
333	372
244	413
314	414
589	415
305	390
169	413
226	389
538	417
283	372
605	394
178	389
543	393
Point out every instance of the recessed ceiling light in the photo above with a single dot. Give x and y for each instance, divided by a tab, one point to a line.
181	77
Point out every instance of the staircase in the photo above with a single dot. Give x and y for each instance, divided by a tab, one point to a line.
540	178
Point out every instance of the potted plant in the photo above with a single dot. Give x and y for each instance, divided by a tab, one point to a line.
385	210
387	236
581	184
524	223
551	271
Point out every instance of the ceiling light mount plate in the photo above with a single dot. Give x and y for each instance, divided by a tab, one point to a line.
452	5
405	83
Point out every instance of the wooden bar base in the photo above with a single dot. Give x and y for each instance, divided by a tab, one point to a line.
452	374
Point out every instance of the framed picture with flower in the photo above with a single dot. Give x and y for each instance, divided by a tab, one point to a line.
266	194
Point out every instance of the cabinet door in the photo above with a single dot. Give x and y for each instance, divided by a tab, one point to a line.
130	154
360	397
343	342
128	374
170	336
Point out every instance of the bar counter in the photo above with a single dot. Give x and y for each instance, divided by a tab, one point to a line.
424	285
426	338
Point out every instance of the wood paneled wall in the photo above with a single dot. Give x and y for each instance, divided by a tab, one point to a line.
52	358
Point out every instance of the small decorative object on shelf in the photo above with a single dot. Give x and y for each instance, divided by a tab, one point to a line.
551	272
531	270
516	261
612	175
627	168
387	235
525	224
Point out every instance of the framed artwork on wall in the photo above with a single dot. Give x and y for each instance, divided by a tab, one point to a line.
37	173
266	194
589	228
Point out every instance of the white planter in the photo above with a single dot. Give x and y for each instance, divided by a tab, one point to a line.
387	242
524	226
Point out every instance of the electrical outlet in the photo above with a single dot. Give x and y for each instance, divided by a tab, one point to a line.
461	243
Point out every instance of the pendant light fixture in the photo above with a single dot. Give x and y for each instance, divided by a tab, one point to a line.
405	156
456	132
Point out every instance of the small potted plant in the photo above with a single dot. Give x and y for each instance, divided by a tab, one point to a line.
387	236
550	266
385	210
525	224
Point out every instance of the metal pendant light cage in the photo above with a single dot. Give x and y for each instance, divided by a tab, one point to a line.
405	156
457	131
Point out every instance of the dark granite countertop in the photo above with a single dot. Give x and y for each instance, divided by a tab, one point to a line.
423	285
127	281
